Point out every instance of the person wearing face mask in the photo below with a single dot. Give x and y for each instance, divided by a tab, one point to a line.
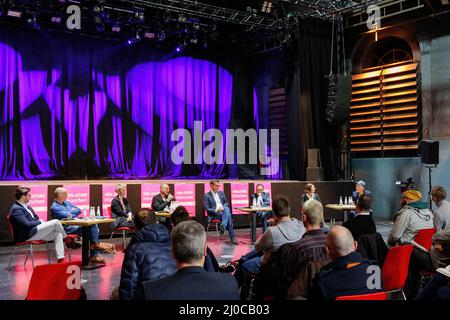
120	208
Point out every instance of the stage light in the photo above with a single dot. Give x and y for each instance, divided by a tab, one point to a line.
116	28
194	41
56	19
266	6
182	18
150	35
14	13
161	36
33	22
138	17
180	48
136	38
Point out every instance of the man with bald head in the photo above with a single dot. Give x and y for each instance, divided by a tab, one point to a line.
162	201
348	273
63	209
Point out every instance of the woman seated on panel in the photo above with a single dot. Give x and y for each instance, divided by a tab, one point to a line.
310	193
120	208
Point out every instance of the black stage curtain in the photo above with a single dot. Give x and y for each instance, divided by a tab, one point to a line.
309	58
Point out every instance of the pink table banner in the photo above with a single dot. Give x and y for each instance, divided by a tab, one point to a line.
79	195
108	193
185	196
148	191
239	196
38	201
267	188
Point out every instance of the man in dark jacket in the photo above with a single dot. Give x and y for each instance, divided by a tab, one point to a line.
349	273
148	256
27	226
180	214
191	281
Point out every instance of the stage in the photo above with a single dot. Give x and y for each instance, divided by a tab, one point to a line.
99	193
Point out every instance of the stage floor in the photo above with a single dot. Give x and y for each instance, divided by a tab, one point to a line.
99	283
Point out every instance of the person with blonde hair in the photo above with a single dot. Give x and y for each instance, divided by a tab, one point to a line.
120	208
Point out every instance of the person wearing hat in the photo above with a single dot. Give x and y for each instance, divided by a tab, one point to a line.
360	189
412	217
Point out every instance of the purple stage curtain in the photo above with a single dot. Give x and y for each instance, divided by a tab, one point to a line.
73	107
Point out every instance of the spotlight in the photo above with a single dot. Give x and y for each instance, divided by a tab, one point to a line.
182	18
194	41
149	35
56	19
161	36
266	6
14	13
135	39
116	28
33	22
138	17
180	48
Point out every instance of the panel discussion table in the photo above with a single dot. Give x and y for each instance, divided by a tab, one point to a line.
344	208
86	223
251	211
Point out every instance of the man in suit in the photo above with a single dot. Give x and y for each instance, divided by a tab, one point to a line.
191	281
262	199
27	226
216	205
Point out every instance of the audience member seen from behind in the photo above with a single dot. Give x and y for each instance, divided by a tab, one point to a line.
180	214
437	257
27	226
284	230
191	281
362	223
310	248
441	214
348	273
413	216
148	256
120	208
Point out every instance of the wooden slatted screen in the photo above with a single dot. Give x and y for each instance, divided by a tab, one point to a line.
278	116
384	111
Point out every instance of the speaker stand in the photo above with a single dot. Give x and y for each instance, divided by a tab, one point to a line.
430	166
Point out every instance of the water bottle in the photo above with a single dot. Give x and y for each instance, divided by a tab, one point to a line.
340	201
97	213
84	213
350	200
92	213
345	199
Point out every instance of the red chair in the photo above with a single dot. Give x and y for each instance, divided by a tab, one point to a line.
395	268
215	222
424	237
124	231
60	281
369	296
28	244
74	237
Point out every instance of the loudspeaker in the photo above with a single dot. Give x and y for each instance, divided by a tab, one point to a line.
430	151
339	97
